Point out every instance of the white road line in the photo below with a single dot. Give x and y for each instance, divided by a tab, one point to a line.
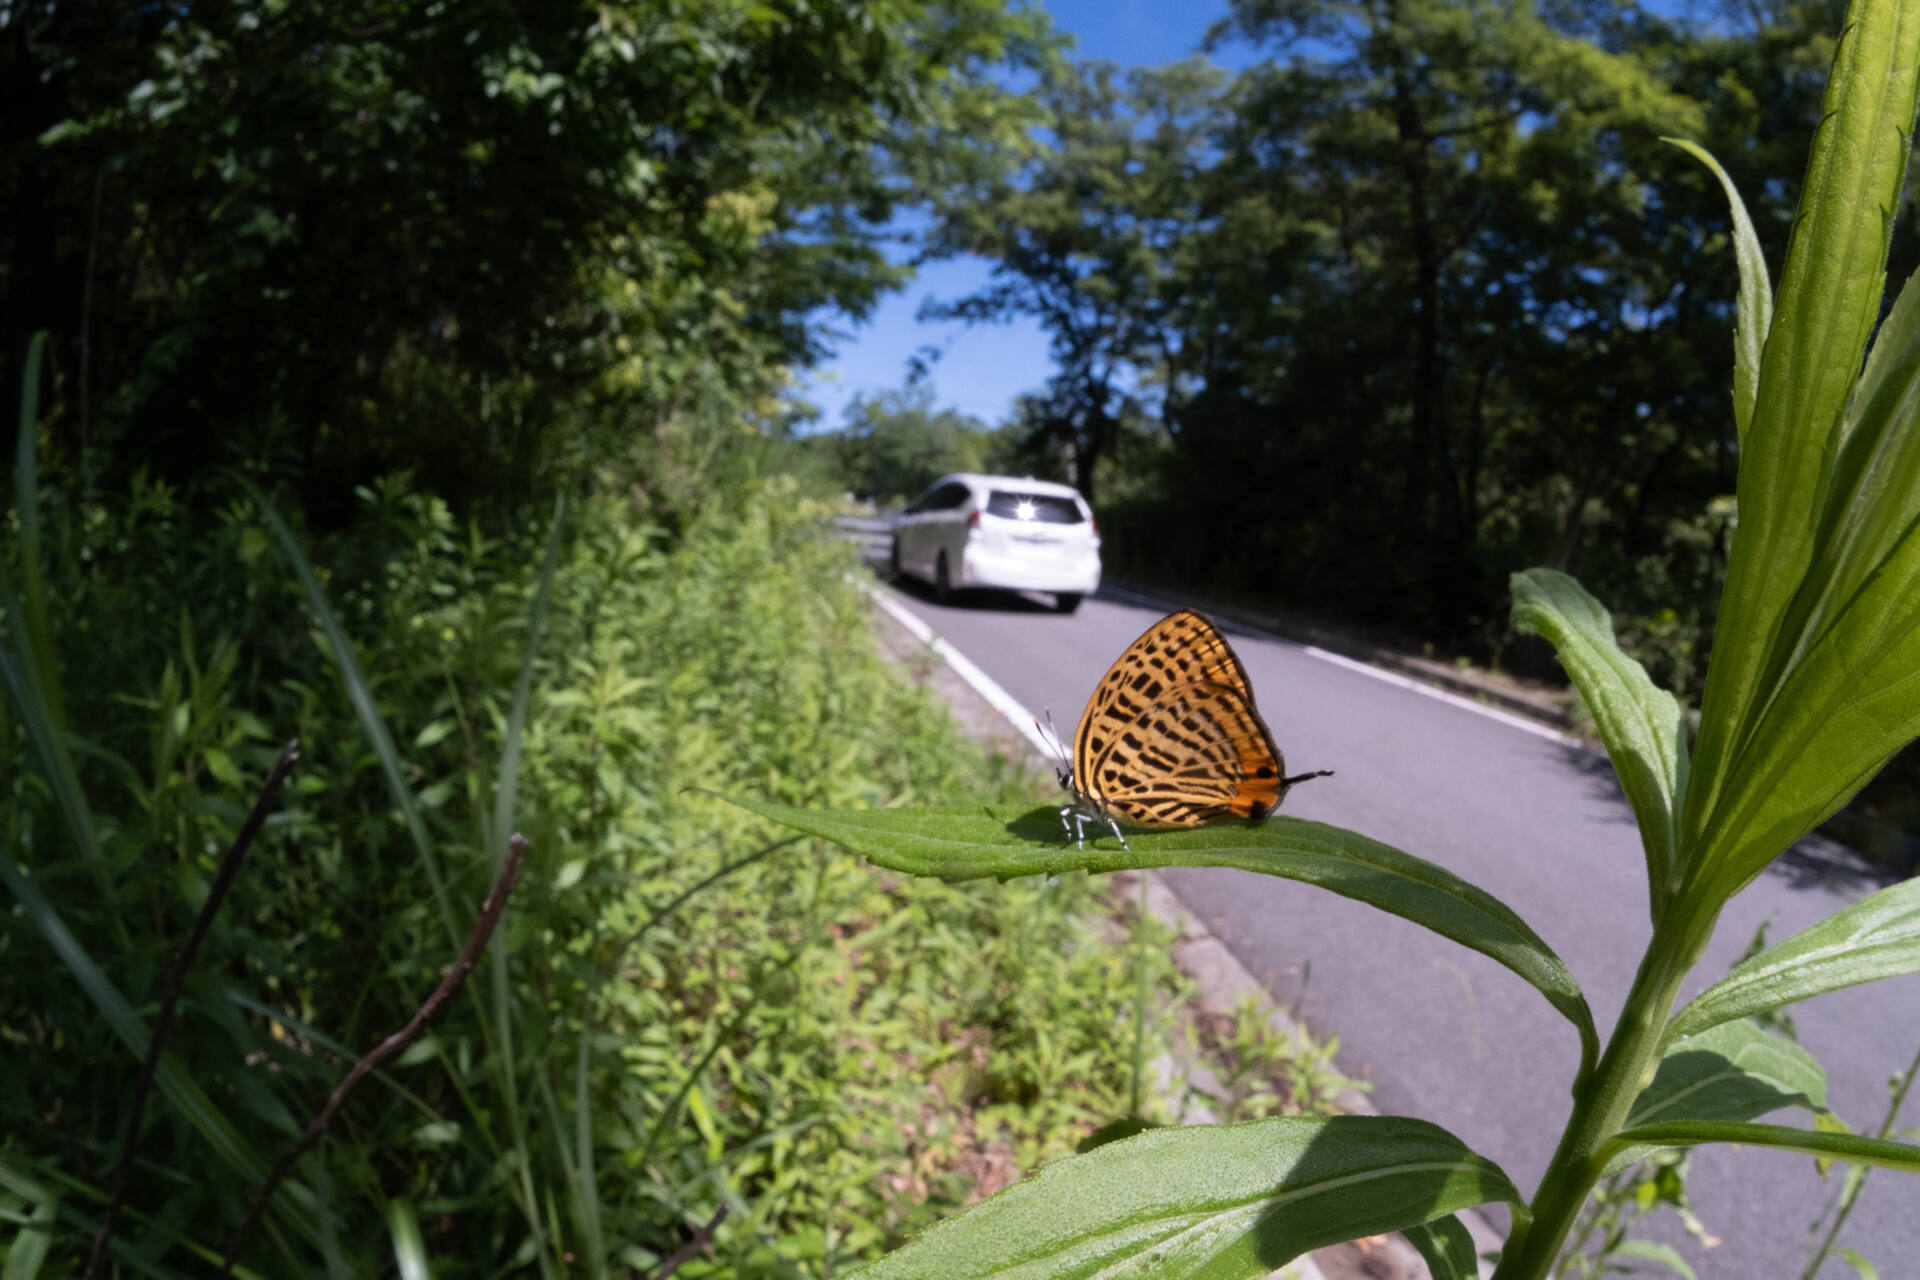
983	684
1467	704
1022	719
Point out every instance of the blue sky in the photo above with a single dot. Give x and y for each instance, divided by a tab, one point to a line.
983	368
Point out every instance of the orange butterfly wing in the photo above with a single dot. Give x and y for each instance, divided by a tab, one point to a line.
1171	738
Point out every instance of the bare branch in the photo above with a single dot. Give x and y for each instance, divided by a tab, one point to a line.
701	1242
392	1045
176	977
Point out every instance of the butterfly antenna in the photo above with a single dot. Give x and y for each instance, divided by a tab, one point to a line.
1052	734
1303	777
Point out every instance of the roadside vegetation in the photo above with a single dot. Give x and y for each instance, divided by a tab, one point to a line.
1809	693
418	384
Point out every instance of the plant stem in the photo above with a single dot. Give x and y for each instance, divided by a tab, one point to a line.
1600	1108
1139	999
1848	1201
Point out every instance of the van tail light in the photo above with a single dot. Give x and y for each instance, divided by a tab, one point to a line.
1093	525
973	521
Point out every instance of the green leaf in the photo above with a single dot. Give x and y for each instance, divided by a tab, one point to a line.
187	1100
1829	299
1846	704
1753	311
1866	1270
1838	1146
1853	701
31	697
1872	489
1638	720
1735	1071
1877	937
1648	1251
409	1250
1447	1248
360	694
32	1240
1208	1201
221	766
972	841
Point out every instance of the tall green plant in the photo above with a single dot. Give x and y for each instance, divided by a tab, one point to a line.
1809	693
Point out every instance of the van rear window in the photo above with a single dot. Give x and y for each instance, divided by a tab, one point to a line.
1044	508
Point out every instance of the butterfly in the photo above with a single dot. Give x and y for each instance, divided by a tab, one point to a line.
1171	739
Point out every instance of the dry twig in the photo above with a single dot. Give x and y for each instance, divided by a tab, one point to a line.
701	1242
176	977
392	1045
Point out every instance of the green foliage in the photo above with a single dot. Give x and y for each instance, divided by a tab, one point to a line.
895	444
1447	1248
1265	1071
1602	1240
1638	721
1210	1201
968	842
1877	937
681	1015
348	238
1084	234
1810	690
1835	1213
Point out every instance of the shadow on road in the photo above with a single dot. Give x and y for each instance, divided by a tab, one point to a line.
1820	861
969	598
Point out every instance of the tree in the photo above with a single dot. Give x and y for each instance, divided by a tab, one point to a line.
343	238
896	443
1081	235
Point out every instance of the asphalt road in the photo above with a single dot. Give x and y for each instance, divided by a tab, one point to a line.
1439	1031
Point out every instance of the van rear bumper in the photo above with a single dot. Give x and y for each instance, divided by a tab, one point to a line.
1079	574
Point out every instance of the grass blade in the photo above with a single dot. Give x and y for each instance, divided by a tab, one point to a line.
361	696
185	1097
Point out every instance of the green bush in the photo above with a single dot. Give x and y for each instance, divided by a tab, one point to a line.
834	1058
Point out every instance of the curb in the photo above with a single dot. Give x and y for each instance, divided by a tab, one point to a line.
1221	979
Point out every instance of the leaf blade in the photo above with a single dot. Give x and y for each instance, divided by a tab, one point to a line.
1446	1248
1638	721
1736	1071
964	843
1877	937
1219	1202
1839	1146
1753	308
1829	299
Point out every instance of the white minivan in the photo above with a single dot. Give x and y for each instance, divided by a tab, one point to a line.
1018	534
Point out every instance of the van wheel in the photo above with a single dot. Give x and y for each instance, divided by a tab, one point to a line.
1066	601
942	584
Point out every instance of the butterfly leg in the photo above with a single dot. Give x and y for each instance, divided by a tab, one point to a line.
1073	823
1117	833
